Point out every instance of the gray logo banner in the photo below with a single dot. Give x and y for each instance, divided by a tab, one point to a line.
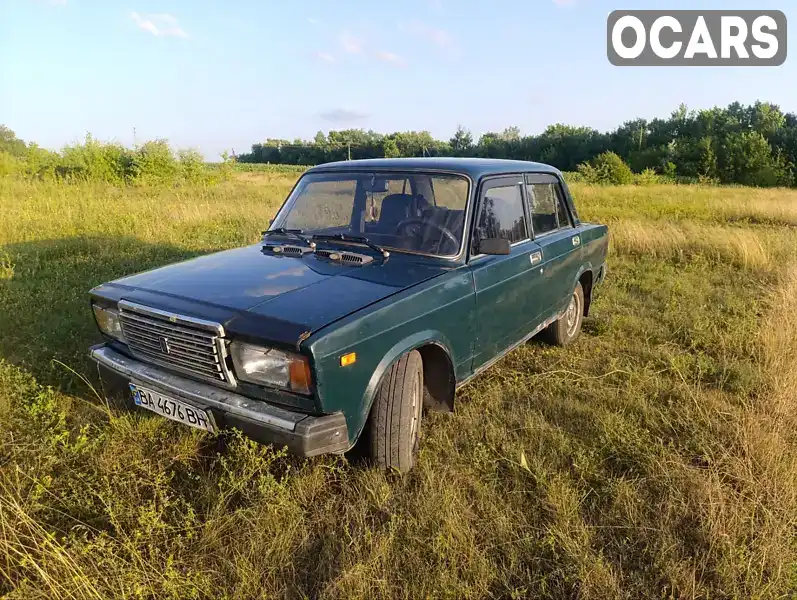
648	38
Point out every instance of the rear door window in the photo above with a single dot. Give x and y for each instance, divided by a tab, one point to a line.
546	204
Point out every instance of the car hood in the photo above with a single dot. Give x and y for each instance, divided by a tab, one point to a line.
277	298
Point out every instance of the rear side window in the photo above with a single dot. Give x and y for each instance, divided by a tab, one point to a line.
501	214
548	208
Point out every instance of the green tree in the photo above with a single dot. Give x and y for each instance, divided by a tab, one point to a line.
747	158
389	148
9	142
462	141
510	134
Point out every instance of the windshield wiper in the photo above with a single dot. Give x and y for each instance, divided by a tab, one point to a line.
356	239
294	233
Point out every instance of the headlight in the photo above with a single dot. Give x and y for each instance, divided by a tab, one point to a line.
108	322
268	366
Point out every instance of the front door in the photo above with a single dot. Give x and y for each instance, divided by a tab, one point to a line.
559	240
508	296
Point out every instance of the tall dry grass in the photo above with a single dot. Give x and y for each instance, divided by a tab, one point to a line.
653	459
779	350
742	247
674	203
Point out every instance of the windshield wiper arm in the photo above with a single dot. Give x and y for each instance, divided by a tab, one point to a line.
294	233
356	239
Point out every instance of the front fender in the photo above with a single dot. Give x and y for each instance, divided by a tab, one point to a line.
413	342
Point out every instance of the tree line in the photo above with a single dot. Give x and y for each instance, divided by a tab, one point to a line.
750	145
151	162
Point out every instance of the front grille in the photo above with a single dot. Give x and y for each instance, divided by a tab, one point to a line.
181	343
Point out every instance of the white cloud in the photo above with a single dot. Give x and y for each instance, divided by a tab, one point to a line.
350	43
160	24
312	21
439	37
390	57
324	56
343	116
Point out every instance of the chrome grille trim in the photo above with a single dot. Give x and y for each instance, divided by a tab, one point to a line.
195	346
286	250
344	257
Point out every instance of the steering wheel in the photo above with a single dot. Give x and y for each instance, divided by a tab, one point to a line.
446	233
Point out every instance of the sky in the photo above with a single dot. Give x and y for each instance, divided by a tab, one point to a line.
218	76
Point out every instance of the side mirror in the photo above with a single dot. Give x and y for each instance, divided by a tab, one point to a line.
270	222
495	246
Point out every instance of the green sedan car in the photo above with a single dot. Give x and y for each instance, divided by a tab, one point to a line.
380	287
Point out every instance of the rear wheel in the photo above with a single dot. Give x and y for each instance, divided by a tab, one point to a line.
395	420
566	329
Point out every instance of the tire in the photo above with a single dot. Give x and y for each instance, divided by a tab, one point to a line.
395	420
565	330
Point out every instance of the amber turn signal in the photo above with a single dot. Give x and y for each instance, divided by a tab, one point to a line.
299	371
348	359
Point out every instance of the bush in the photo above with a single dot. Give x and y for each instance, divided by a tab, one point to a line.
573	177
154	162
606	168
192	165
647	177
109	162
95	161
9	164
40	162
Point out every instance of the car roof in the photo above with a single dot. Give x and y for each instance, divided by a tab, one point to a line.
473	167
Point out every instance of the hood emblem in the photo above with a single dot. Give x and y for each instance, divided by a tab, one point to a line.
164	344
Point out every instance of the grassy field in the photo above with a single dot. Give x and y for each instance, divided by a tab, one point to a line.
656	458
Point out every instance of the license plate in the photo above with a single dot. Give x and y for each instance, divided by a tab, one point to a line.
172	409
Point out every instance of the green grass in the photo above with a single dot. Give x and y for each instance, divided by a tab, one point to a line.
656	458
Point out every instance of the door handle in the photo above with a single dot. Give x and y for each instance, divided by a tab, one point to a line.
576	240
535	258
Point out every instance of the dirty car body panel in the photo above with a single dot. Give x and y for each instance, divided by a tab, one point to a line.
422	283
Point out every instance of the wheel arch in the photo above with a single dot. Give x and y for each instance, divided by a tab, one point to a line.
438	372
586	278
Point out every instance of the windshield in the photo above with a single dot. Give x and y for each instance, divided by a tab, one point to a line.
416	212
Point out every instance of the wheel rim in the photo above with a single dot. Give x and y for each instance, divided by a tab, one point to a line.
572	315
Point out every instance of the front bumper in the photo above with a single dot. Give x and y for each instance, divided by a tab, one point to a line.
304	435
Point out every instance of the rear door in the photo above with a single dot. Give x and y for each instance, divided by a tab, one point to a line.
507	287
558	238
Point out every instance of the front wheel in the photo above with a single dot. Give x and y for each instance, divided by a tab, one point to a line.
566	329
395	420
